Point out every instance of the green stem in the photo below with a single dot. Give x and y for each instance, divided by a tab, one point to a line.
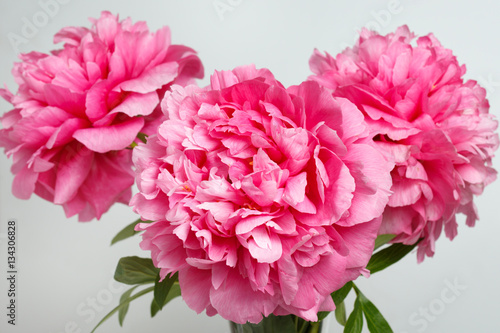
309	327
126	302
315	327
303	326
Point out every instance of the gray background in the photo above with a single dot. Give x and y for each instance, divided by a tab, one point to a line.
65	267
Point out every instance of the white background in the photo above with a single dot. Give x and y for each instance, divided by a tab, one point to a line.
65	265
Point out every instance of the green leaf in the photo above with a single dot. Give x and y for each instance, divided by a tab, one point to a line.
163	288
382	240
174	292
354	323
135	270
322	315
340	314
338	296
386	257
154	308
374	319
123	310
122	304
127	232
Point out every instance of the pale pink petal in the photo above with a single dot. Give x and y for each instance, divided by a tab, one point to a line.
257	184
227	301
195	287
24	183
426	118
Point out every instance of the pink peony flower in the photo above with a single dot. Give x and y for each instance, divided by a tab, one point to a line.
79	108
421	112
264	199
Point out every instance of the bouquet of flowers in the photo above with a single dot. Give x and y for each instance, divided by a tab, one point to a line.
257	202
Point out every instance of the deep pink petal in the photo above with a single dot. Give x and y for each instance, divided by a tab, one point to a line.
116	137
73	167
152	79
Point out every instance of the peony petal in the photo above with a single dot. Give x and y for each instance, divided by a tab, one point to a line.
116	137
137	104
152	79
24	183
373	183
63	98
73	167
264	246
295	189
113	169
227	300
195	287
